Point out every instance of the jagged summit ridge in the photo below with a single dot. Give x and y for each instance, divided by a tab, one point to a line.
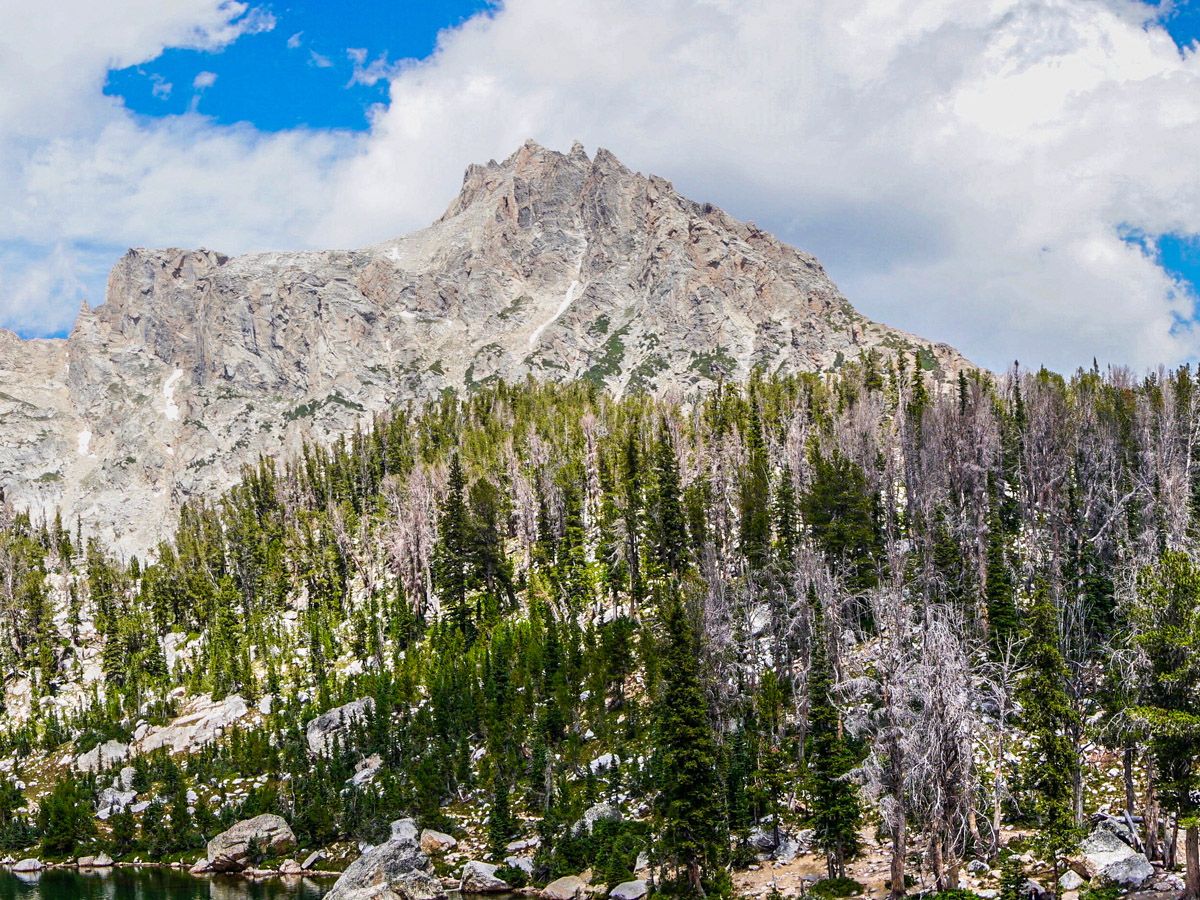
556	265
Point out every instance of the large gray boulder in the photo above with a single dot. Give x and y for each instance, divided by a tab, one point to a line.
1105	857
28	865
230	850
480	878
375	872
779	845
319	732
569	887
601	812
630	890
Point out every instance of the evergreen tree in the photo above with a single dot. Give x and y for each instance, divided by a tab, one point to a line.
688	809
754	499
839	509
65	818
999	594
1049	719
500	825
670	537
451	563
835	809
1168	613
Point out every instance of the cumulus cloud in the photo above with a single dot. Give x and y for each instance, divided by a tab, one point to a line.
204	80
966	171
84	178
962	169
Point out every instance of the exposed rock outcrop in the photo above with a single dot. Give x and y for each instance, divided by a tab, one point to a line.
548	264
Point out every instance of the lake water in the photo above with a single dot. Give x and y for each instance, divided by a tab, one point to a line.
153	884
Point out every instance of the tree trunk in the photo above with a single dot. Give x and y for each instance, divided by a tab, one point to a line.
1192	852
935	863
1170	858
997	782
1130	793
1152	846
899	852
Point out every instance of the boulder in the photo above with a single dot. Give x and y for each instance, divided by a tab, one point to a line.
404	830
313	859
417	885
200	866
1129	872
366	770
101	756
779	845
320	731
371	874
102	861
1071	880
29	864
290	867
111	800
1104	856
230	850
436	842
524	863
85	862
629	890
480	878
601	812
569	887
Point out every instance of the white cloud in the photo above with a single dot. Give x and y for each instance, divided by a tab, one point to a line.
294	41
160	87
319	60
962	168
370	73
204	80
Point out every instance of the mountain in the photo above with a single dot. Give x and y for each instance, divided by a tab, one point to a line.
552	265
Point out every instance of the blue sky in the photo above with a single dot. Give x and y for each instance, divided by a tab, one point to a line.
324	64
1180	254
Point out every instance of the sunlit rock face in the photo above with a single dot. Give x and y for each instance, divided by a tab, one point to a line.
554	265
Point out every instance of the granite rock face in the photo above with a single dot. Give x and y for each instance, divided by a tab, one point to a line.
548	264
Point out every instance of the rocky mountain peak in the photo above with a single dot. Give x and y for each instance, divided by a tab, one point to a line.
550	264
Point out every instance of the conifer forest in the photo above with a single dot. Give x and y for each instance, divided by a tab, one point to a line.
940	634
